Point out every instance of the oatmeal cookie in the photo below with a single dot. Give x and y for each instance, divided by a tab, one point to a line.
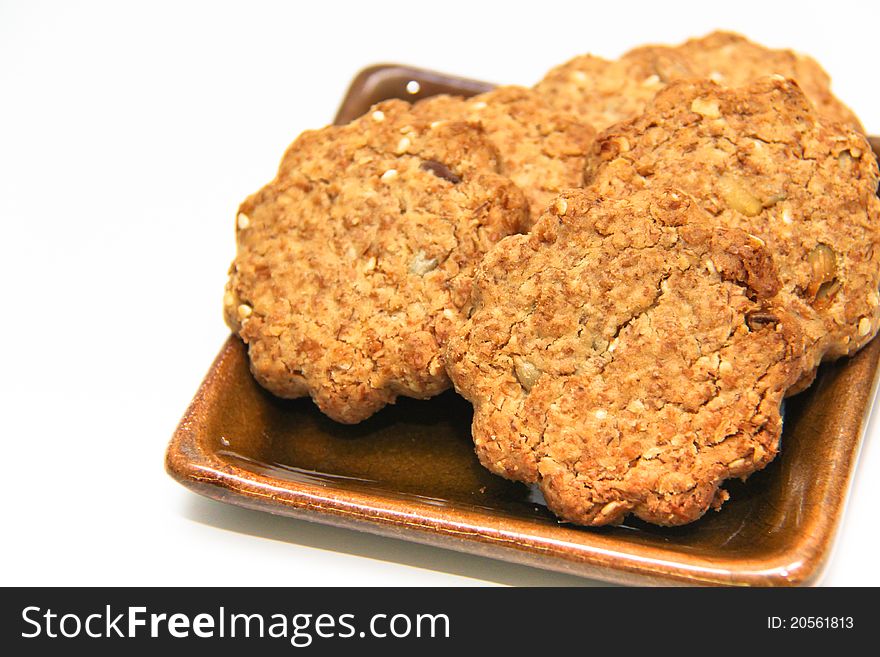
732	60
758	158
604	92
541	149
627	356
354	263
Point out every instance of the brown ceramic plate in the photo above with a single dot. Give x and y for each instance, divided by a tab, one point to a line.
410	471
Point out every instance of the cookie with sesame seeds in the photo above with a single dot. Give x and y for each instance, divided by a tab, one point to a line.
759	158
605	92
354	264
612	365
733	61
540	148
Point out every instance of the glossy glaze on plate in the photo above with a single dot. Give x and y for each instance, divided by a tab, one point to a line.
410	471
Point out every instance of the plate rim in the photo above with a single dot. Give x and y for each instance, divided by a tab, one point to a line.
595	556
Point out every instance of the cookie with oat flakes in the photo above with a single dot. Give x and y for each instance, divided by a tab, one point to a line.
758	158
605	92
353	265
627	356
733	61
540	148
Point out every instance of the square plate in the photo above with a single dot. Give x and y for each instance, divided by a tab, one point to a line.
410	472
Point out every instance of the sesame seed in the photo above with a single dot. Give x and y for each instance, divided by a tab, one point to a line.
601	413
413	87
864	326
378	116
757	239
403	145
243	221
561	206
388	175
244	311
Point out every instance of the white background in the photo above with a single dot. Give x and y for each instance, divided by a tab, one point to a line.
128	136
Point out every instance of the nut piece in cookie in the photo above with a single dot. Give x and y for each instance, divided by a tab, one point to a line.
628	356
604	92
540	148
355	262
759	159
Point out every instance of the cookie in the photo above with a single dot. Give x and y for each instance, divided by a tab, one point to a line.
541	149
604	92
732	60
355	262
627	356
759	159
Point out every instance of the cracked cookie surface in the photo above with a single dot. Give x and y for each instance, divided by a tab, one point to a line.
628	356
540	148
354	263
604	92
759	159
